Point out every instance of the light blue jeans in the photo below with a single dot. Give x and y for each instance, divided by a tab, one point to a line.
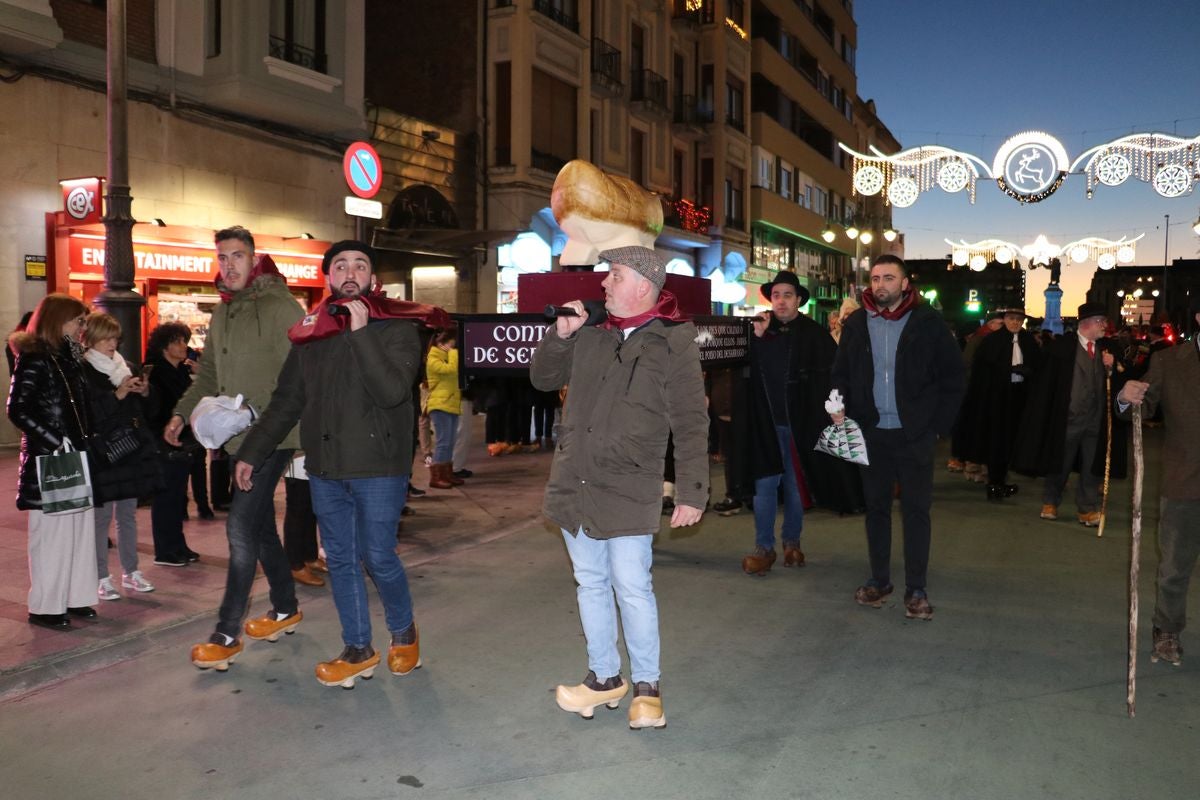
358	519
620	566
766	499
445	428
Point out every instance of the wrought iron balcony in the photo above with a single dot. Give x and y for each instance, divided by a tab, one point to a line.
648	90
546	8
606	68
297	54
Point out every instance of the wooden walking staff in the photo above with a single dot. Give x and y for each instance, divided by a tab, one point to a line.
1107	453
1135	548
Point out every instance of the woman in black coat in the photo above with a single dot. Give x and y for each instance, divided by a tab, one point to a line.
47	403
116	394
166	352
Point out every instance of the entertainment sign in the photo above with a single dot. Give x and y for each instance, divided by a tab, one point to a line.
503	344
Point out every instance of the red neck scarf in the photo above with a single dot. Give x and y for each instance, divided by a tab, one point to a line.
908	300
263	265
667	308
320	324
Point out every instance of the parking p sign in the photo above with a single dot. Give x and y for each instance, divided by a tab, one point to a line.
363	170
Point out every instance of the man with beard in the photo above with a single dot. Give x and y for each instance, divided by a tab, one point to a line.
1004	364
901	374
247	344
1063	428
634	380
779	421
348	382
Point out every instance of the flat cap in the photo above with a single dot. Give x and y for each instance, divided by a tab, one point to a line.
642	260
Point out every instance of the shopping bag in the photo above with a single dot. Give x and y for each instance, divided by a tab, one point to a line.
64	480
844	441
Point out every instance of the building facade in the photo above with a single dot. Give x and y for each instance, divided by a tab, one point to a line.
1149	295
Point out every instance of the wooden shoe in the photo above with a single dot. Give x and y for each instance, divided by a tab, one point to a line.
1166	647
270	625
306	576
354	662
871	595
759	562
404	658
215	654
1049	511
793	556
646	710
1089	519
584	698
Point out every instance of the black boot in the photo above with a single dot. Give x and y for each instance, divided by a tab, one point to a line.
995	491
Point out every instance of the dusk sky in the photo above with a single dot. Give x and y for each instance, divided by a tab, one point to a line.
968	74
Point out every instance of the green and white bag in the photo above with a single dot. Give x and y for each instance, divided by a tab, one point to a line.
64	480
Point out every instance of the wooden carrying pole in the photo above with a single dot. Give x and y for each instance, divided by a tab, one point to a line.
1107	453
1135	547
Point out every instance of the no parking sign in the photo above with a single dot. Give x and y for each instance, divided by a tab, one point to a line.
363	170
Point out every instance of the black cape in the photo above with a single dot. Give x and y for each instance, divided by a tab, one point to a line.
987	422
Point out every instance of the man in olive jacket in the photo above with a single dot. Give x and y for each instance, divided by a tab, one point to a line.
247	343
348	381
633	380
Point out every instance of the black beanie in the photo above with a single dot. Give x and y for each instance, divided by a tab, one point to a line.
343	246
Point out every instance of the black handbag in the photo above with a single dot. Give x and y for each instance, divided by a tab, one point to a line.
118	443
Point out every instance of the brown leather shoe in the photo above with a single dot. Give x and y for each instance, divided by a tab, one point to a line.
306	576
404	658
269	626
317	565
872	595
354	662
793	556
215	654
1049	511
438	476
584	698
759	562
1089	519
1166	647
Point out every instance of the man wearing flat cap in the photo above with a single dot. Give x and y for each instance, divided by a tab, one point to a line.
634	379
1063	428
998	385
348	382
779	417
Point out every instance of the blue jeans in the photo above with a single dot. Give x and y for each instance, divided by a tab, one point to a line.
358	519
253	538
620	565
445	427
766	499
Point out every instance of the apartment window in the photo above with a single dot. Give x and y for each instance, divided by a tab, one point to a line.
735	99
735	182
848	54
504	114
764	169
637	47
706	182
212	28
824	85
594	137
564	12
707	105
785	179
297	33
677	162
737	12
637	156
823	22
555	122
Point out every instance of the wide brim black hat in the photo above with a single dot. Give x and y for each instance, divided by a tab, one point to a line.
1089	309
789	279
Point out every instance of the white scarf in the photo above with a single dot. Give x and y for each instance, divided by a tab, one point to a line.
115	367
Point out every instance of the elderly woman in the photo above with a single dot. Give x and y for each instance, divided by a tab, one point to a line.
116	402
166	352
48	402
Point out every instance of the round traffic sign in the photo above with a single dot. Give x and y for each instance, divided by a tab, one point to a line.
363	170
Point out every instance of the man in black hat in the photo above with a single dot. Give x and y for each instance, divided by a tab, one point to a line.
1003	367
1063	428
780	422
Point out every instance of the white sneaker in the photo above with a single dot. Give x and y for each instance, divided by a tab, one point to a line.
137	582
107	591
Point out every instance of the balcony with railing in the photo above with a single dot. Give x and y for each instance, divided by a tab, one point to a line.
606	69
648	93
686	117
684	215
548	8
298	54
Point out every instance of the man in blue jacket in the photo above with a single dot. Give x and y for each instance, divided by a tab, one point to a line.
902	377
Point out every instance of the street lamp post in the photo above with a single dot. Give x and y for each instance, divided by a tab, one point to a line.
1166	261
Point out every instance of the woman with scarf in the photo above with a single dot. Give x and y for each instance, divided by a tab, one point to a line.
48	403
166	352
116	397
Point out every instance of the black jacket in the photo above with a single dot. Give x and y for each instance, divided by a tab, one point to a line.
137	475
929	373
40	406
991	411
168	382
805	352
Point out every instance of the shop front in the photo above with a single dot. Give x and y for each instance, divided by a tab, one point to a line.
174	269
